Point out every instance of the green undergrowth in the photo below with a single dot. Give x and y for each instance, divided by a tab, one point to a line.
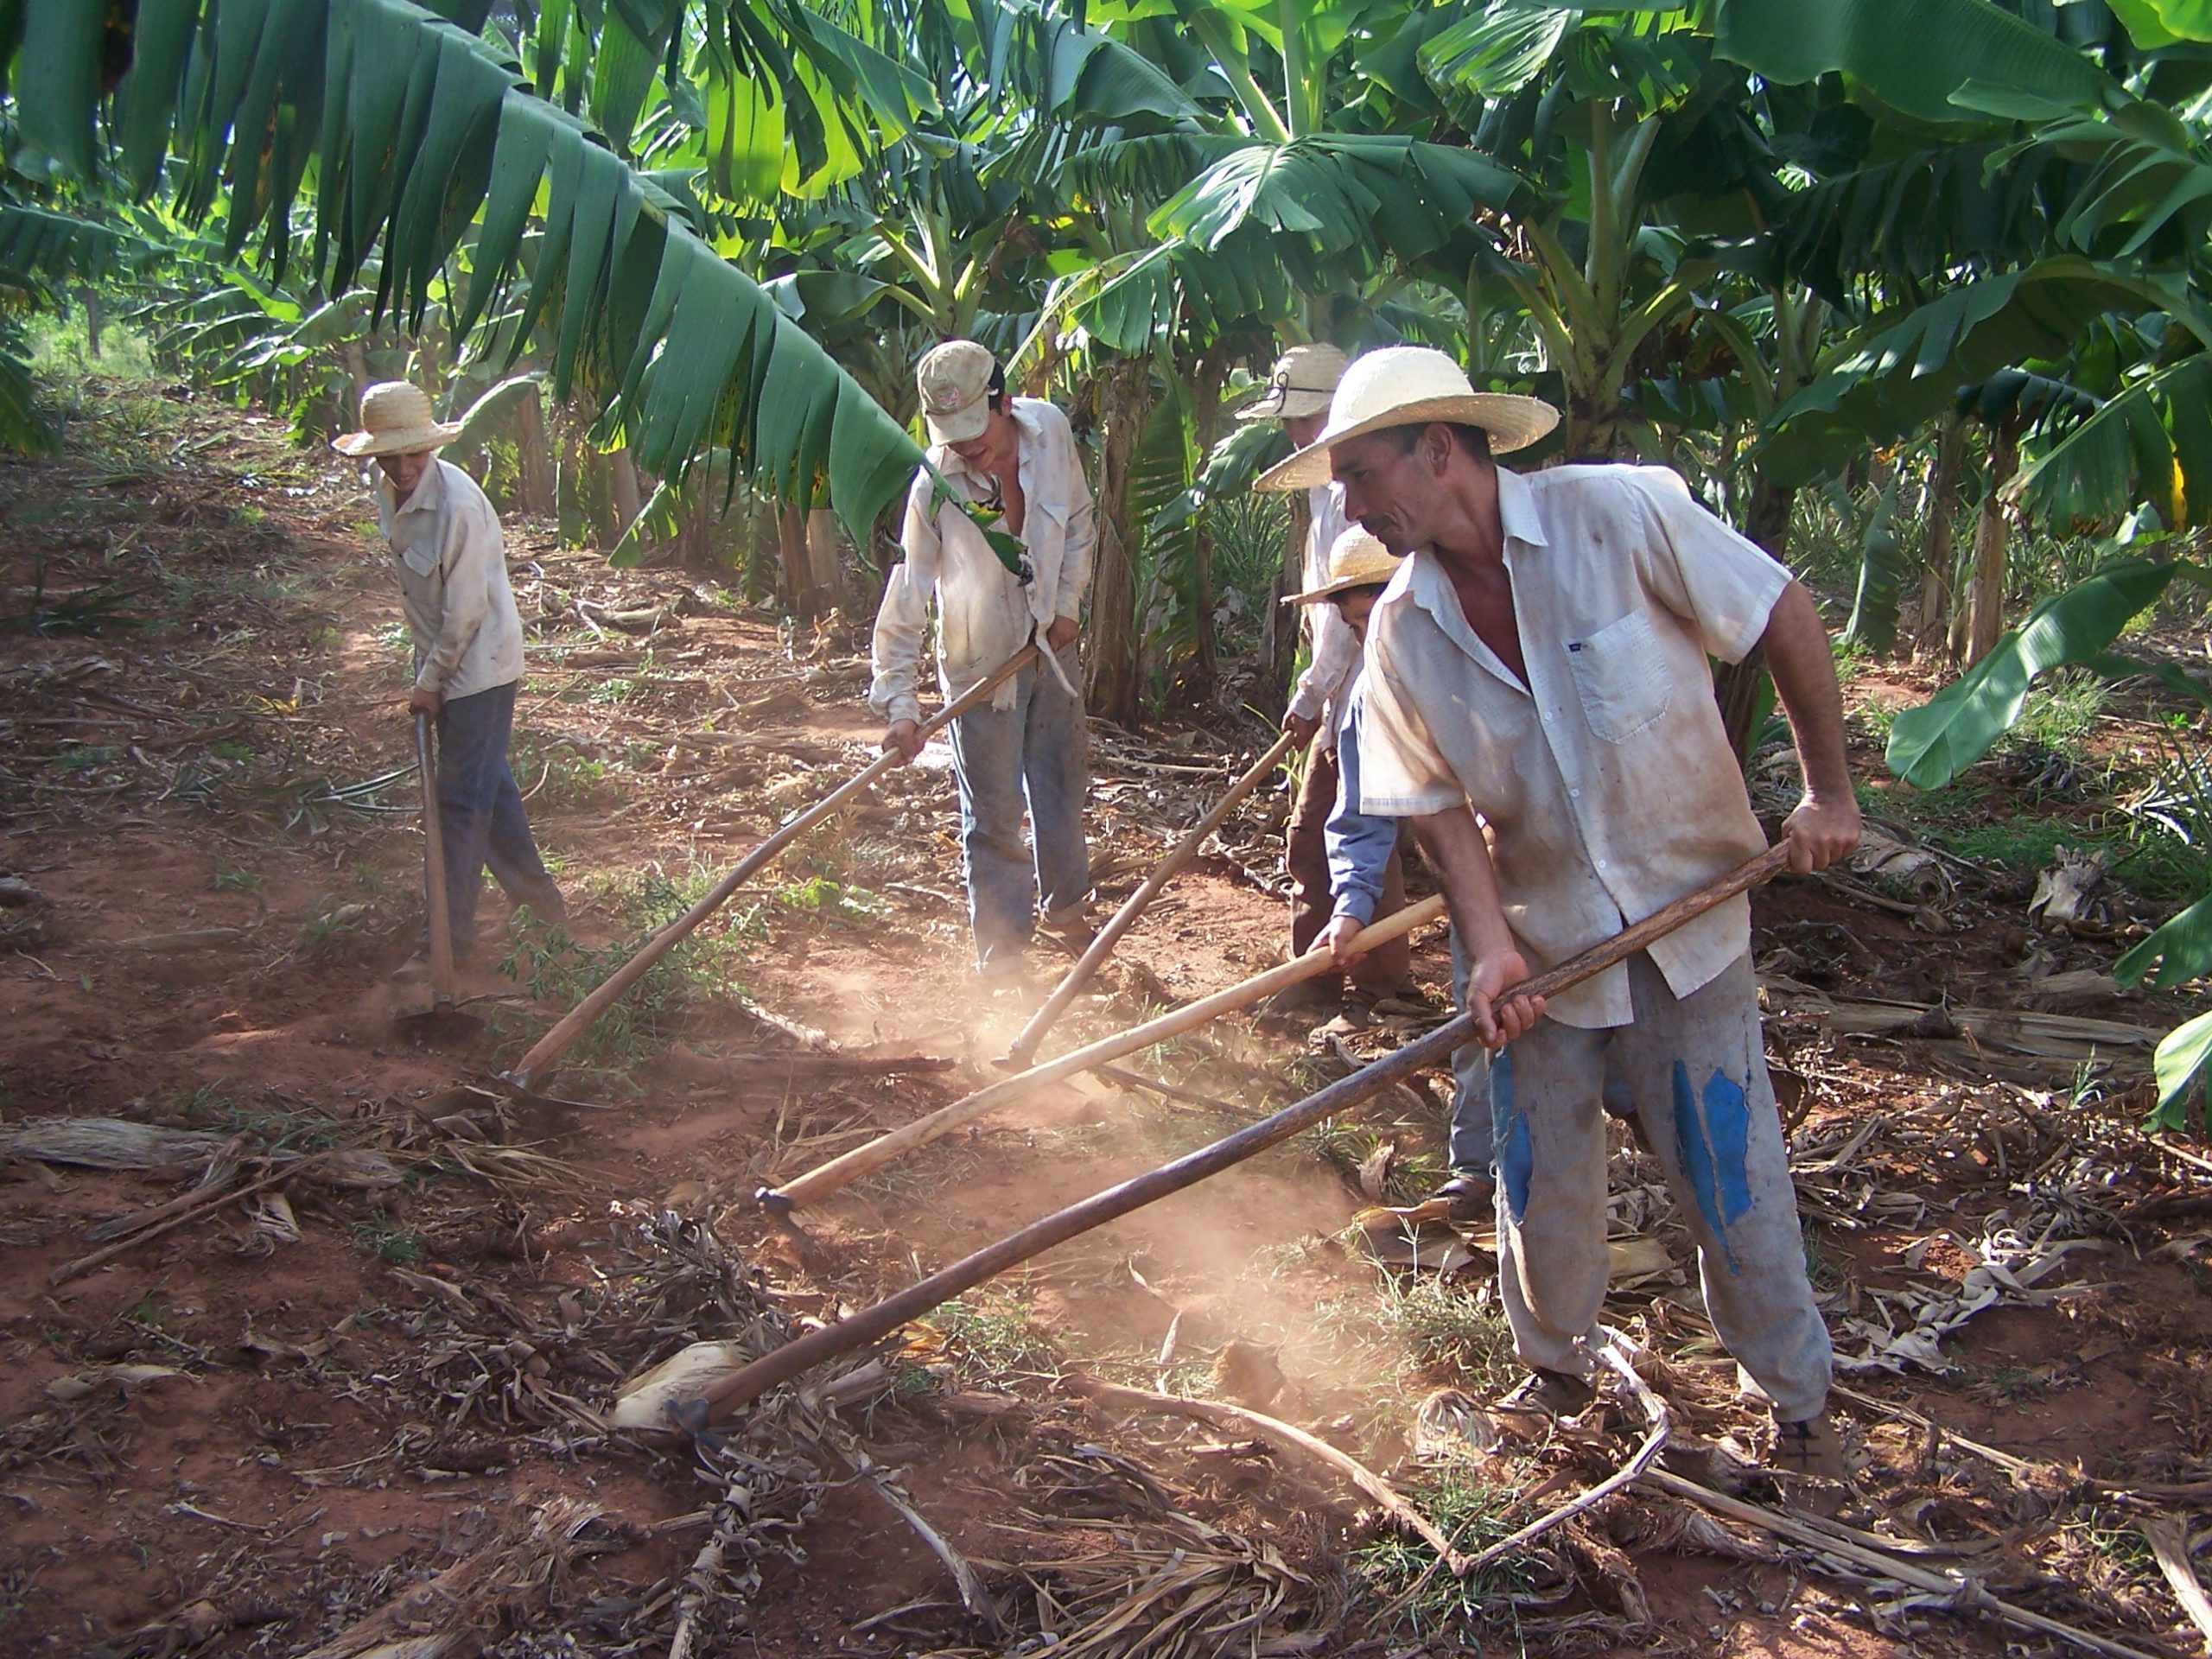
559	971
1474	1514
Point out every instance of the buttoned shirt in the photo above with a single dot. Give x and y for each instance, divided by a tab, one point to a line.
453	581
1607	782
1324	688
984	613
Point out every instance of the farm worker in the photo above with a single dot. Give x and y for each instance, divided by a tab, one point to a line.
1014	457
452	564
1297	395
1541	660
1363	847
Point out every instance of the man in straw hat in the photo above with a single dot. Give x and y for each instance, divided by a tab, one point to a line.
1297	395
1541	660
1015	457
452	563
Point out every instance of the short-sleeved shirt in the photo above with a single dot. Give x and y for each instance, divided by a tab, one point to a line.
1607	782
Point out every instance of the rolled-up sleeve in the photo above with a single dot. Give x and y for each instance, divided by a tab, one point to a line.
900	621
1402	773
472	548
1721	583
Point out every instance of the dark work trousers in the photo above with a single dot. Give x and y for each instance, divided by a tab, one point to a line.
480	811
1386	970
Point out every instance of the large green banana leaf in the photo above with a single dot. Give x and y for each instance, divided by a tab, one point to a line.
1913	56
2153	442
1907	369
1931	744
416	129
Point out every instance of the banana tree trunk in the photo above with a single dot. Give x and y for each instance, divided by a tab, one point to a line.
1941	501
533	457
1115	687
629	499
1279	626
798	569
825	570
1984	607
1736	686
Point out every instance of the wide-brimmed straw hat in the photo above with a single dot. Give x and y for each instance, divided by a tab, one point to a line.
1304	379
1355	560
1411	385
397	419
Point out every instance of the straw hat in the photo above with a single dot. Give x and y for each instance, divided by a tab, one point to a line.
1411	385
397	419
1355	560
954	381
1304	379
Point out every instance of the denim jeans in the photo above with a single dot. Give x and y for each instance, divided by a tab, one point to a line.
1696	1071
1036	753
481	810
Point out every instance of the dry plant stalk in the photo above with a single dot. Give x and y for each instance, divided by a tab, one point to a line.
509	1575
1236	1419
2169	1542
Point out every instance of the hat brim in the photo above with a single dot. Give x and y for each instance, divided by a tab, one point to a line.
1285	403
1513	423
1315	595
961	426
401	440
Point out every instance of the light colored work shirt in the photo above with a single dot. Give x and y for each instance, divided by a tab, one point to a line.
453	581
984	613
1607	782
1324	688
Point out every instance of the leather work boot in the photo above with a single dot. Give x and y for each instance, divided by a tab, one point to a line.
1550	1394
1810	1447
1470	1198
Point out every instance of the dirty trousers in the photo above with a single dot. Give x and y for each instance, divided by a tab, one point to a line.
1696	1071
480	811
1387	970
1035	755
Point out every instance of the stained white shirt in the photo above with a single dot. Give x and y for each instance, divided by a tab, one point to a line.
1607	781
1323	689
984	613
453	581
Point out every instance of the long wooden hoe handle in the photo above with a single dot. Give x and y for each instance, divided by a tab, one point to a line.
825	1179
866	1326
558	1041
434	872
1124	919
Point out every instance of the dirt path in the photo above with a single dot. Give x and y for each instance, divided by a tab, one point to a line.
249	1433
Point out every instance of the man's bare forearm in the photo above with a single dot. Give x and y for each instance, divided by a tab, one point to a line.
1803	664
1453	842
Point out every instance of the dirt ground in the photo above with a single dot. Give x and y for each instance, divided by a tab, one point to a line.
369	1380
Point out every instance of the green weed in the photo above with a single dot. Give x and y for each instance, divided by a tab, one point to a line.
988	1331
562	775
829	901
230	880
1473	1513
87	759
388	1241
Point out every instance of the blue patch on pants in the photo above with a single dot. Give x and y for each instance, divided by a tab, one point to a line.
1713	1137
1510	1126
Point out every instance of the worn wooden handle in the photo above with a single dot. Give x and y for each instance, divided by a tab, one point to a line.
558	1041
434	871
1124	919
866	1326
825	1179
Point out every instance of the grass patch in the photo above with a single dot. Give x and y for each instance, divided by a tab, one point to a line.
388	1241
822	900
557	773
559	972
989	1334
1473	1514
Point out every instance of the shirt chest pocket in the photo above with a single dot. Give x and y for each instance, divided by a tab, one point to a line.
1621	677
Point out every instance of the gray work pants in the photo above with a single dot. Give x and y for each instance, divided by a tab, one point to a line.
1696	1071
